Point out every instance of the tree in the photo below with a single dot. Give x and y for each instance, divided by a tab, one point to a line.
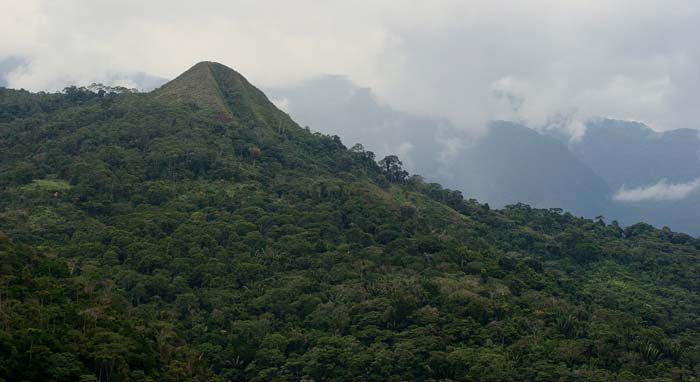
391	166
357	148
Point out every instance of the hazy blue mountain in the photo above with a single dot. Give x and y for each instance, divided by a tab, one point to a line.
513	163
680	215
503	167
632	154
334	105
7	65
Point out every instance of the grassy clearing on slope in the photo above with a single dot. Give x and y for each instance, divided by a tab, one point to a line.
51	185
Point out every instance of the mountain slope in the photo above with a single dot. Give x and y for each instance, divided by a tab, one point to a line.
334	105
631	154
146	237
198	86
507	165
514	164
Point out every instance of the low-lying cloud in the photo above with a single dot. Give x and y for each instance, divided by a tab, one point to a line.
661	191
468	61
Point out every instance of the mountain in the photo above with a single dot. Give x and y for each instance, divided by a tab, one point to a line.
508	164
9	64
630	155
513	163
334	105
197	233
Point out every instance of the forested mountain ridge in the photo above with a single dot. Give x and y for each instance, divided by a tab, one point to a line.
508	162
197	233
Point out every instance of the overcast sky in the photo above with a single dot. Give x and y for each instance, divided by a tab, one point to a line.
469	61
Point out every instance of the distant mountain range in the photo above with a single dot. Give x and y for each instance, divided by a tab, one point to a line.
622	170
663	169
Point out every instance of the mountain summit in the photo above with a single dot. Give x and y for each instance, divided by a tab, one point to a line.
196	233
196	85
223	91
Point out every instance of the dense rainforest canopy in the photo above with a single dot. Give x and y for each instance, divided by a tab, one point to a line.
196	233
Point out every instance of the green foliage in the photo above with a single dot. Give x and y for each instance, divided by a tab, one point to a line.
150	238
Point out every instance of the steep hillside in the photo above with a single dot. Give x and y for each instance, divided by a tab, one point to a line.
196	233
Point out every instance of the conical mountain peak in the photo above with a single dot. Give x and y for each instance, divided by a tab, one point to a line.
196	85
216	87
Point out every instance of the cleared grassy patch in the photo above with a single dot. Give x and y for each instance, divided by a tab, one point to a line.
48	185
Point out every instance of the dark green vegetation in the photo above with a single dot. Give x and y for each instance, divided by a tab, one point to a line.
512	163
196	233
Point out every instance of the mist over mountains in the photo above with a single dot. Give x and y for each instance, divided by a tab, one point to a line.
17	66
622	170
654	175
198	233
485	191
7	65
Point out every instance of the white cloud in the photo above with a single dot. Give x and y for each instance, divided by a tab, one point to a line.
281	103
661	191
470	61
404	148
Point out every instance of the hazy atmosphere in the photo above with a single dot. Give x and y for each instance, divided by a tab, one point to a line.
611	87
467	61
349	191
